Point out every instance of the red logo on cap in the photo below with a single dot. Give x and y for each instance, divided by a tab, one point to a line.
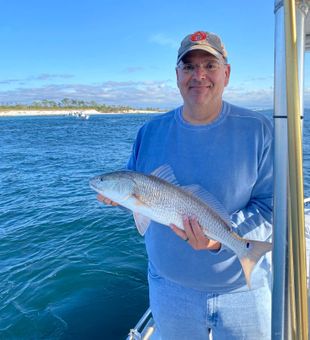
198	36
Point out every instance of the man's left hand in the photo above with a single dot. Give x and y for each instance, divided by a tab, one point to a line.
194	235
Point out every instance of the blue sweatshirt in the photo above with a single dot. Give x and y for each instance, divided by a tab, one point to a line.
232	159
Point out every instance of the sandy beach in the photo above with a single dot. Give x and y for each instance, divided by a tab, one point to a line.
12	113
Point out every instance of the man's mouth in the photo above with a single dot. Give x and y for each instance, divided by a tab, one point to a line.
210	86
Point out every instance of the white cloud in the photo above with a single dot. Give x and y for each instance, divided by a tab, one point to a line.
255	98
163	40
307	97
135	94
161	94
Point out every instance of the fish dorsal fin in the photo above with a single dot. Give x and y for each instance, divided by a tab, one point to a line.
166	173
210	200
142	223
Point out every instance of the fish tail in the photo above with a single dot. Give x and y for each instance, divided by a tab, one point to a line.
256	250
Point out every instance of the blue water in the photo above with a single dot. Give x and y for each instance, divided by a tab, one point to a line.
70	268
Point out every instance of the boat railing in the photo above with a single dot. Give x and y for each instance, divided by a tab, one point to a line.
144	328
307	235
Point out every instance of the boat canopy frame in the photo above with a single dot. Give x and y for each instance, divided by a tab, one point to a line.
289	295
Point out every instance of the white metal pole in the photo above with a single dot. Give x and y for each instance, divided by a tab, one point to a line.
280	180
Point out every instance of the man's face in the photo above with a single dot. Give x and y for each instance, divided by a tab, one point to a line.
202	87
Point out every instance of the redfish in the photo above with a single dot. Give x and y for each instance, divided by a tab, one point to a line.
160	198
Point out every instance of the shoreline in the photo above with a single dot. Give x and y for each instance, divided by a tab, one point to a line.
66	112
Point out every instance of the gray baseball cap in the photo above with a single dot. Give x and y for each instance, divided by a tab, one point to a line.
205	41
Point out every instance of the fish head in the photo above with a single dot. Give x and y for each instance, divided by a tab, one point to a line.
118	186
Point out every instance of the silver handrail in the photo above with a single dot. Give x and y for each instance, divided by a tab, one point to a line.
140	331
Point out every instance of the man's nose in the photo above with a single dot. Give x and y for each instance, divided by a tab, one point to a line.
200	72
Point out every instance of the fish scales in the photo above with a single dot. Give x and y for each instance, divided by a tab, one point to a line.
171	203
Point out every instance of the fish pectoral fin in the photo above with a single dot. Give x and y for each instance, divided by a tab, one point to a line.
139	200
142	223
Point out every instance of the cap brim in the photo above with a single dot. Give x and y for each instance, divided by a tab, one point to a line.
202	48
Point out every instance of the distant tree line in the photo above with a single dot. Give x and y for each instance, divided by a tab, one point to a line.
69	104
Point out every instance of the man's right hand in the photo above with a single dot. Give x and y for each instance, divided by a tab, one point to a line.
106	200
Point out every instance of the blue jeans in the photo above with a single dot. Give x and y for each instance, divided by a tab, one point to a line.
185	314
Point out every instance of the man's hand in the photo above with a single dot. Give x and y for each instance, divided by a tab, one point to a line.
194	235
106	200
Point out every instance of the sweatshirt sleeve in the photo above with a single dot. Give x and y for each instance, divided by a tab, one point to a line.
254	221
132	161
131	164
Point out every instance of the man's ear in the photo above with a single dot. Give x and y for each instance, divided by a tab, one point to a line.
227	74
177	76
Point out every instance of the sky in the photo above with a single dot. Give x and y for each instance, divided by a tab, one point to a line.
124	52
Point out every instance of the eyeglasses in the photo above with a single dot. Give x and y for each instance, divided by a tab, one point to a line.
208	67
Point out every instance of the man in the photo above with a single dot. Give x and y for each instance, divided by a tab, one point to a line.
196	284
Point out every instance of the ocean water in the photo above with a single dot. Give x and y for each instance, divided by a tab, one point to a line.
70	267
